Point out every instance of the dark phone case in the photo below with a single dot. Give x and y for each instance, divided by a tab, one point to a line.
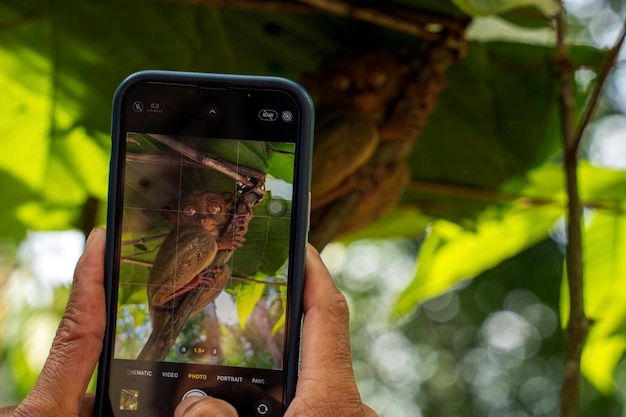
300	223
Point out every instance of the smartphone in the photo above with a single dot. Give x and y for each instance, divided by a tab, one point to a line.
206	236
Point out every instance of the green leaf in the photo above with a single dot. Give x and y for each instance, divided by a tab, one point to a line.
496	120
488	7
267	240
251	154
280	324
528	17
601	188
246	298
451	254
281	161
604	287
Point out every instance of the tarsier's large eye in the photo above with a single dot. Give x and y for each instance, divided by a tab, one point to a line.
190	210
214	207
340	82
377	79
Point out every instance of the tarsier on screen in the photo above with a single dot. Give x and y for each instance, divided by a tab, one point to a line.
183	260
187	211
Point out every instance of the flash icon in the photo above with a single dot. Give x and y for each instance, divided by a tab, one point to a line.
287	116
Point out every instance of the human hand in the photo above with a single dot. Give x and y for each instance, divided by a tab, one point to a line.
326	385
60	388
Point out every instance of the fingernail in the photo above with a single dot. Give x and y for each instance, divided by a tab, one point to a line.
92	235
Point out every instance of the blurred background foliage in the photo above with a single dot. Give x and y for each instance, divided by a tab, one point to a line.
456	294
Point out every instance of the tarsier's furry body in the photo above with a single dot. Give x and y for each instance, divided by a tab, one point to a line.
184	258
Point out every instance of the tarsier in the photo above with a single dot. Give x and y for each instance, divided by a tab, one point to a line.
184	259
358	111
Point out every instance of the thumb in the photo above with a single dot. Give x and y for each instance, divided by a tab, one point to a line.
204	407
76	347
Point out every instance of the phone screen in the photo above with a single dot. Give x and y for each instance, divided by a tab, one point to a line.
206	274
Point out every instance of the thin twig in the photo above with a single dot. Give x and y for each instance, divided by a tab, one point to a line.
494	196
136	262
609	63
258	281
143	240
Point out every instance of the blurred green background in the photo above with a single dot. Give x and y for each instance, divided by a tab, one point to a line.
456	294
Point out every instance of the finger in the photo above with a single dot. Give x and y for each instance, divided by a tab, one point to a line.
204	407
326	354
61	385
326	316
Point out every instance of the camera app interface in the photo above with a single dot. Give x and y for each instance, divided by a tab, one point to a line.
203	273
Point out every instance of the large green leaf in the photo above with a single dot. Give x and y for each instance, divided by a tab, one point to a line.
496	120
267	240
451	253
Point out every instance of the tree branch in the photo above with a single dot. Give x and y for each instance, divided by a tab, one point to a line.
136	262
578	324
402	22
153	158
259	281
225	168
423	25
495	196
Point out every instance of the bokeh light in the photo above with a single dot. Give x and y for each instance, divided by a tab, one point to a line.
482	349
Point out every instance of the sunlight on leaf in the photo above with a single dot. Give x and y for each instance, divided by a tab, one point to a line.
451	253
280	324
247	298
605	285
